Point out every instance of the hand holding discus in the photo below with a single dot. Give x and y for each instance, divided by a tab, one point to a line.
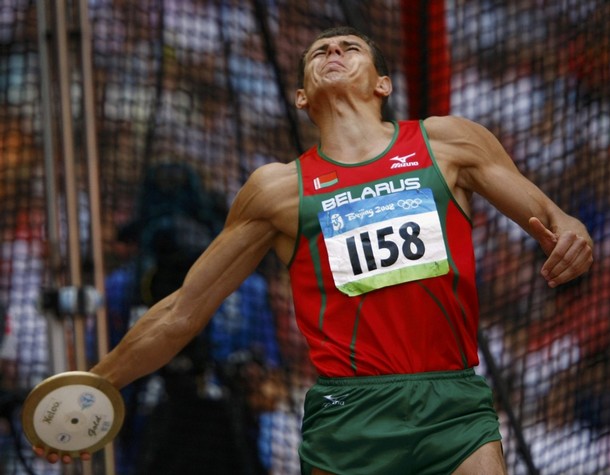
71	415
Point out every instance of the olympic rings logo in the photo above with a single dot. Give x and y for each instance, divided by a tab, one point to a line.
409	203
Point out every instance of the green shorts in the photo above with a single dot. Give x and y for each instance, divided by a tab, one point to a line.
426	423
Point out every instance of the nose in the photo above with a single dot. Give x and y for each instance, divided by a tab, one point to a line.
334	48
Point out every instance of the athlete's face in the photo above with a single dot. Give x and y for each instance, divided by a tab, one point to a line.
340	56
340	63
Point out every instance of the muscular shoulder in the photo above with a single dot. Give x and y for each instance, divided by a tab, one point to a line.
273	182
468	155
445	125
271	193
460	142
268	175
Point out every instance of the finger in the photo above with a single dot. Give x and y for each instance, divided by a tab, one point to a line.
542	234
560	258
66	459
578	267
571	257
86	456
39	451
52	457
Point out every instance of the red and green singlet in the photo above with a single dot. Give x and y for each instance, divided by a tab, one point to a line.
383	274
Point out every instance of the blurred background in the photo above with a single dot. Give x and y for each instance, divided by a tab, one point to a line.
126	128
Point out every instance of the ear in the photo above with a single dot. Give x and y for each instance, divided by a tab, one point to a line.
300	99
384	86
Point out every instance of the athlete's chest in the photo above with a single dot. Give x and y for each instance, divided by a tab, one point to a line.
380	222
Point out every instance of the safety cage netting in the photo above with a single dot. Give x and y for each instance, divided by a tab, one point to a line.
189	97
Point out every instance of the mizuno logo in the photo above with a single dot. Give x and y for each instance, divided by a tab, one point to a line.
334	400
402	162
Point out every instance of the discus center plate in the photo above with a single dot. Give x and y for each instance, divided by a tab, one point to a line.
73	412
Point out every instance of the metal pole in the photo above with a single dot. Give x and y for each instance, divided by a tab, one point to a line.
91	153
70	175
55	327
57	332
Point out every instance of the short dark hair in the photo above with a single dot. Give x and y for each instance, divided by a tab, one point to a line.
378	58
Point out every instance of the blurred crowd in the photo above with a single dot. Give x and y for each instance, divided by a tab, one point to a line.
548	101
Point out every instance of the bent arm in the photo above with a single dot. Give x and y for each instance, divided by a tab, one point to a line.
475	161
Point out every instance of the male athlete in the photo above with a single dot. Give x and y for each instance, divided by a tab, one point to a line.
374	226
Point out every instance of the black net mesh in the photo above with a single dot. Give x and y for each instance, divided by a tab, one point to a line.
190	97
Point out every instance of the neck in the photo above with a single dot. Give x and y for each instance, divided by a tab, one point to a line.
353	136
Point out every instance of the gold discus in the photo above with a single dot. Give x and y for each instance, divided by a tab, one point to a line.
73	412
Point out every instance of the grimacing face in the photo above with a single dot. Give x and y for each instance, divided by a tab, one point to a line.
352	50
377	55
347	55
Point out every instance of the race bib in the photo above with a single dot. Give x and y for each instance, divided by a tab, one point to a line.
384	240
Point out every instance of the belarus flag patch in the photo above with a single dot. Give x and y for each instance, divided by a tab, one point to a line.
324	181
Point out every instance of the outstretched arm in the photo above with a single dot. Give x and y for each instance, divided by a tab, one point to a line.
174	321
261	218
473	160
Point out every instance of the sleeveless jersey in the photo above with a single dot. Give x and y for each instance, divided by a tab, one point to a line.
383	273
